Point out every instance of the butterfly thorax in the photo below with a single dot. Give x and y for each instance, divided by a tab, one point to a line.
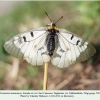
51	38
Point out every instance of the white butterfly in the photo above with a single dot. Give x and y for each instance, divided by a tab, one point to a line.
41	45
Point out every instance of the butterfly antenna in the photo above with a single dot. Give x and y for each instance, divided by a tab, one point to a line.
59	19
48	16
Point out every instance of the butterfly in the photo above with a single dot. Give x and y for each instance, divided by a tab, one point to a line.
38	46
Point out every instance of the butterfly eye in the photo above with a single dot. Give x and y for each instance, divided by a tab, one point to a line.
53	24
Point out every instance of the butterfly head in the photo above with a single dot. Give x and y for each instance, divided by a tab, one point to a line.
52	26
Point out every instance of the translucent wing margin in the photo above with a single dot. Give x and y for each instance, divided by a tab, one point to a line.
71	49
30	46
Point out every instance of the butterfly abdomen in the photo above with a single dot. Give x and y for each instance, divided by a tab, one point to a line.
51	42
